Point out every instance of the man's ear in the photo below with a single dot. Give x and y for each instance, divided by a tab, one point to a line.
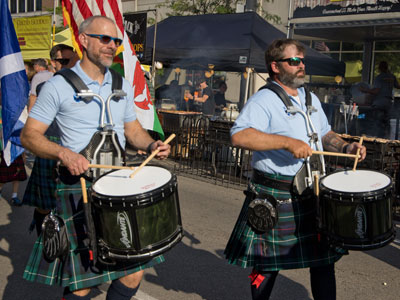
83	40
274	67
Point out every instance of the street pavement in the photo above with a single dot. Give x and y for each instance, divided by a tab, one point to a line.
195	269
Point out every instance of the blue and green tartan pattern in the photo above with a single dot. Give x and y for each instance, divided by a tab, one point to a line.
293	242
75	272
41	188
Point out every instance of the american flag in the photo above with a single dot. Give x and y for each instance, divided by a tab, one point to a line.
75	12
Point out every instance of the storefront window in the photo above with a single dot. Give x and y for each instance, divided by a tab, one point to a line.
31	5
388	51
352	46
21	7
13	6
387	45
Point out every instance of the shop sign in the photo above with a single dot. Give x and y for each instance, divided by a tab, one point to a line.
33	33
318	8
135	26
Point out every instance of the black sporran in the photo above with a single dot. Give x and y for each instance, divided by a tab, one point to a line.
55	238
263	213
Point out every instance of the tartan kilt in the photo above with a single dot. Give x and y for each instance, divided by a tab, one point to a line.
293	242
14	172
41	188
75	272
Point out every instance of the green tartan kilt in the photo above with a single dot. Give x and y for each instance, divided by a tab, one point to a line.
75	272
41	188
293	242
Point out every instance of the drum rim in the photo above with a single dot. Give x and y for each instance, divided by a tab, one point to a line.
365	195
350	243
139	200
144	250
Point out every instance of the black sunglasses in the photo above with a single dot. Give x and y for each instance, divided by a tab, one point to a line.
293	61
63	61
106	39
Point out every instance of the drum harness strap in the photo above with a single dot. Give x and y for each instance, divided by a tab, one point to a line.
263	213
104	147
300	181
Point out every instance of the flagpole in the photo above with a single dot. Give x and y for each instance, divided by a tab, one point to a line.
153	71
54	23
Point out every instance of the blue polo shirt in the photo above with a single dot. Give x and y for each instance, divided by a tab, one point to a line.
76	119
266	112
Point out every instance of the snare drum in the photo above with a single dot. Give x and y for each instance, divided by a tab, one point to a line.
135	218
356	209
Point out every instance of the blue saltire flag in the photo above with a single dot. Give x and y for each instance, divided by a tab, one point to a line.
14	86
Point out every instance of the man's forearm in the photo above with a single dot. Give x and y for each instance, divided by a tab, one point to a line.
138	137
255	140
38	144
332	142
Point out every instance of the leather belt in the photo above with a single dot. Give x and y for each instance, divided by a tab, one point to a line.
260	178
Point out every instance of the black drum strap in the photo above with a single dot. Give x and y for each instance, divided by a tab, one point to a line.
78	85
280	92
75	81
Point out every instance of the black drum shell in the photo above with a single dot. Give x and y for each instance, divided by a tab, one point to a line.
359	220
137	227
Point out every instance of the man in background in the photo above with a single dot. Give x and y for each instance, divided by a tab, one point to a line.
42	74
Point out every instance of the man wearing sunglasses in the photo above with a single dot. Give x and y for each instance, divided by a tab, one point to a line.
78	121
63	56
280	144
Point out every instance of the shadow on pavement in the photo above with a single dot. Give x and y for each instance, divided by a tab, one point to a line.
197	271
389	254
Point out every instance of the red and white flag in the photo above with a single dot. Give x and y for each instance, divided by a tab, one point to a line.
75	12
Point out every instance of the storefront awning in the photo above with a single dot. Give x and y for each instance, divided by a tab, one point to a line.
352	31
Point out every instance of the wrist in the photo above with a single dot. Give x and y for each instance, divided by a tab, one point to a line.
148	149
344	149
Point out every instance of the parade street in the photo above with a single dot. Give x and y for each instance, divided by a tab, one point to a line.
196	269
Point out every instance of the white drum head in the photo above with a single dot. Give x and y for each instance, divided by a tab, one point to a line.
118	183
359	181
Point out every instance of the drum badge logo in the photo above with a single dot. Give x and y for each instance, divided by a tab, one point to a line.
361	221
126	230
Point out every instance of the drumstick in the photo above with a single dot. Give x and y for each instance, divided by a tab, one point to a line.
334	153
316	185
154	153
358	154
84	192
110	167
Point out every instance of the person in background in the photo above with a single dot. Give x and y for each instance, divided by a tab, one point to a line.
42	74
207	98
41	188
13	173
219	97
280	143
63	56
382	93
29	71
77	122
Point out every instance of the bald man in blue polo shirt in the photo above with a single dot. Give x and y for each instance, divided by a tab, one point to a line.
77	121
280	145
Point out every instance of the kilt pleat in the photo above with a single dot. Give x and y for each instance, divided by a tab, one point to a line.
75	272
293	242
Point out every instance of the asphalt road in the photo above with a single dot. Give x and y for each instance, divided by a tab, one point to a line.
195	269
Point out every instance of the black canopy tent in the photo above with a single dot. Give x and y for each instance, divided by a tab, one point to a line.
230	42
